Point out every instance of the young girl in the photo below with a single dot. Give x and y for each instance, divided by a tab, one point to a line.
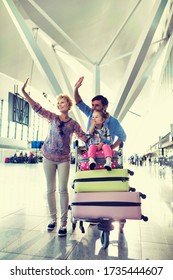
100	139
56	155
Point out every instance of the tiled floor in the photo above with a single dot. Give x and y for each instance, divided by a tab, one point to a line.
24	217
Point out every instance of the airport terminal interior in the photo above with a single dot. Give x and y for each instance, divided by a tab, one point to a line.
124	51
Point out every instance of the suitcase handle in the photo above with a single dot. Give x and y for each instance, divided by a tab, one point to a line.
122	179
107	203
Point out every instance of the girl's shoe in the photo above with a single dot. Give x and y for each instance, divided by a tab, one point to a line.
108	164
92	163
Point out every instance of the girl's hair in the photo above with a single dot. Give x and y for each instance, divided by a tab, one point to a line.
67	98
103	114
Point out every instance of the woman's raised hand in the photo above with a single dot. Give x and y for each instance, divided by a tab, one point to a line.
24	86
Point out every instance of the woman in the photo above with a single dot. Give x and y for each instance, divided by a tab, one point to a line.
56	155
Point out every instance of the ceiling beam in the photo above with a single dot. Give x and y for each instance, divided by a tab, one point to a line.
67	87
118	32
168	50
59	29
162	56
139	54
139	85
32	46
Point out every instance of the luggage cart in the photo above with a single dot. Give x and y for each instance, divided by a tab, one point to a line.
104	224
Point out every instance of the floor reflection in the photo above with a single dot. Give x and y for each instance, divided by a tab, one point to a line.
24	217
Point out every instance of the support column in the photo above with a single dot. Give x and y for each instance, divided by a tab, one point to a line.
1	113
96	80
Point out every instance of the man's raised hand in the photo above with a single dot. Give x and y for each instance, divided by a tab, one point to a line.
79	82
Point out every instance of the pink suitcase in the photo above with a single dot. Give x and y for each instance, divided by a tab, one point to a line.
7	160
100	160
107	205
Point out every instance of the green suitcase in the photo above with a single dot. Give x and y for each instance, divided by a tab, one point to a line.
102	181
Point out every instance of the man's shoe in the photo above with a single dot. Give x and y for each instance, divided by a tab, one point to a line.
52	225
62	231
92	163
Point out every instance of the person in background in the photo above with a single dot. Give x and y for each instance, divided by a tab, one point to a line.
56	155
100	139
100	102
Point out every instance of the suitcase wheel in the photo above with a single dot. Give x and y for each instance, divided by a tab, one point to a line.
104	237
144	218
132	189
142	195
131	173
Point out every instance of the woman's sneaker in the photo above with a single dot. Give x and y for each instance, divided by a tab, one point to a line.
62	231
52	225
92	163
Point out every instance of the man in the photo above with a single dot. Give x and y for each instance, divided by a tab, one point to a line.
99	102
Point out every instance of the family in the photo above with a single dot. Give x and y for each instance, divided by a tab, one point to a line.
104	132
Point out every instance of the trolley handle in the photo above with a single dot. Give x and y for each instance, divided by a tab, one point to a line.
121	145
76	144
77	149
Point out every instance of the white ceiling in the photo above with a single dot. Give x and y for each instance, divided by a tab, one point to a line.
116	45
